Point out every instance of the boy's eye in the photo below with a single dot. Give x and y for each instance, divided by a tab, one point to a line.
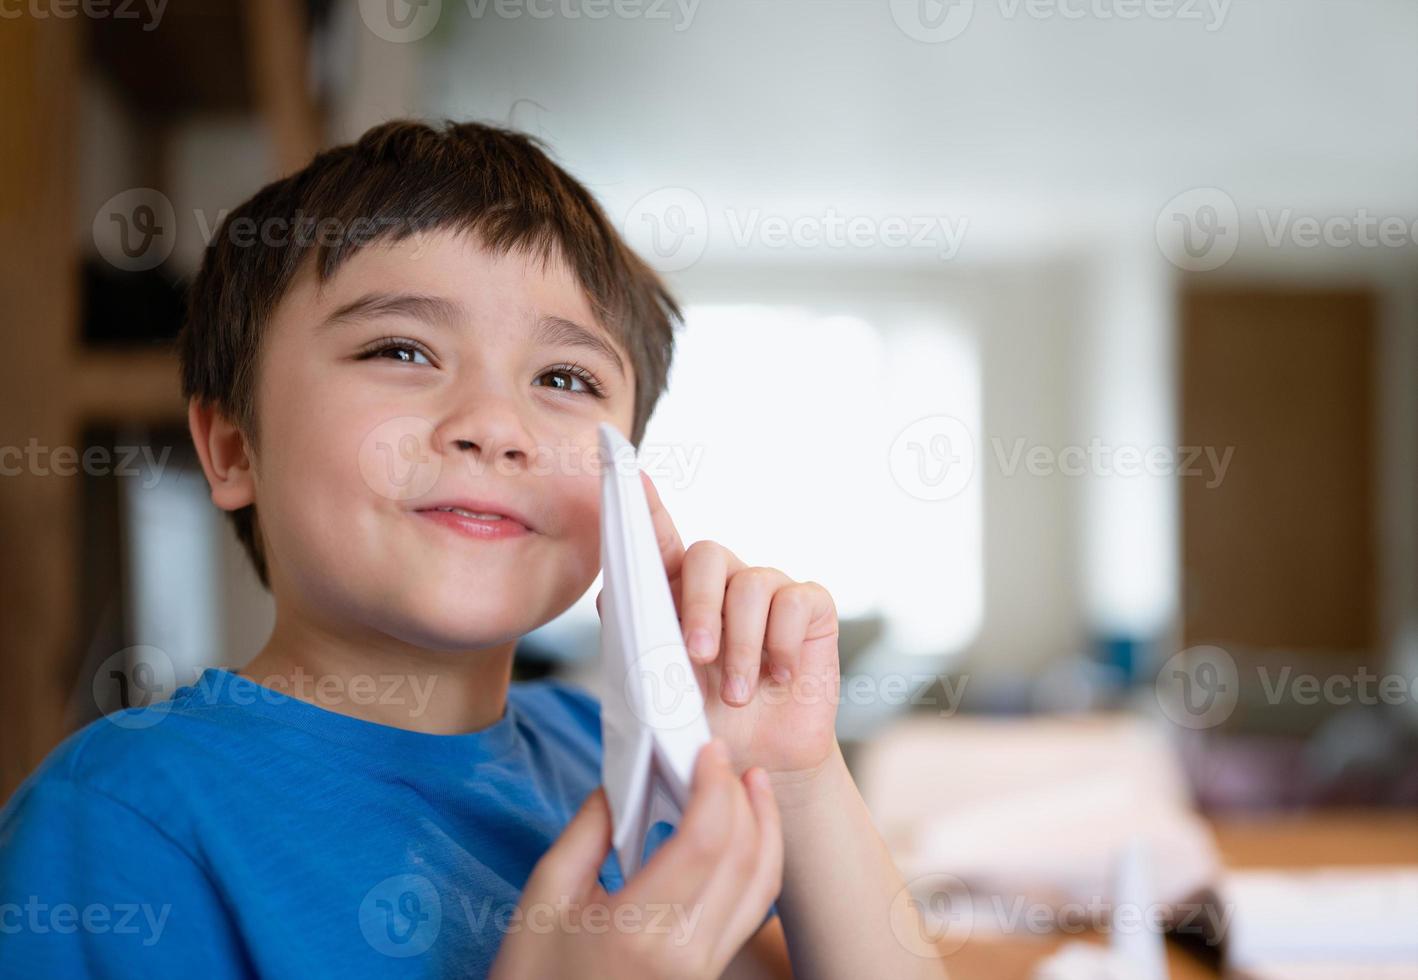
567	377
396	349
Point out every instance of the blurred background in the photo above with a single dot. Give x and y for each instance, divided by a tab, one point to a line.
1072	344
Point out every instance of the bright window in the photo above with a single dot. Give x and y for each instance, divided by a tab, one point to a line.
776	438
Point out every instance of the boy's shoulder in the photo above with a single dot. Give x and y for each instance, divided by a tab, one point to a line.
129	754
147	758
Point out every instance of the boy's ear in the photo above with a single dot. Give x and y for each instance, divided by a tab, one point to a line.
224	455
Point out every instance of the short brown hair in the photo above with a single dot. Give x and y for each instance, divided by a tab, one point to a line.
400	178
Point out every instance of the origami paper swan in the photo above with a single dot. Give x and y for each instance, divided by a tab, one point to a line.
652	711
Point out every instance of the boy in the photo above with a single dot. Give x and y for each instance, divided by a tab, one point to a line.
395	361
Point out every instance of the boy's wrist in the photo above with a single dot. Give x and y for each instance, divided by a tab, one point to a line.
805	790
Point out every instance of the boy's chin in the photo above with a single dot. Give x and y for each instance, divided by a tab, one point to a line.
434	620
454	636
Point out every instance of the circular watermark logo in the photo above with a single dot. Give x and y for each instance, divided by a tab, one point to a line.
1199	230
397	459
661	689
669	228
135	230
933	458
1198	687
401	915
932	21
932	915
400	21
137	677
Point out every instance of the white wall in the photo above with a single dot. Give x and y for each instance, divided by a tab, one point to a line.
1057	141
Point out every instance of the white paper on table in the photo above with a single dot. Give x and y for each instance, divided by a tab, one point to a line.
1138	946
1325	923
652	711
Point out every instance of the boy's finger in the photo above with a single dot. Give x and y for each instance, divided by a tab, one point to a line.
680	869
746	604
571	865
725	892
750	892
720	871
703	578
788	620
666	534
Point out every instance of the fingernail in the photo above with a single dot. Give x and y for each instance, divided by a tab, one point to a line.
780	673
701	644
717	752
736	688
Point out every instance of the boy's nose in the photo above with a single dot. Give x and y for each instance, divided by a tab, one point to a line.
488	433
486	451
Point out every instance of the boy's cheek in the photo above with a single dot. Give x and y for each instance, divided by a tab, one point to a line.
337	438
580	520
395	458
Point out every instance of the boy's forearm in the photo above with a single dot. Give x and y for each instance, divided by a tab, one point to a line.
839	885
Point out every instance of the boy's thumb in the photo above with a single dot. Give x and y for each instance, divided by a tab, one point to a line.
574	859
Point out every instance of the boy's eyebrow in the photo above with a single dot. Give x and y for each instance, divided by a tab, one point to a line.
553	330
433	310
439	311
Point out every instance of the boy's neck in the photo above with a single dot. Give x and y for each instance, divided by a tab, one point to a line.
384	681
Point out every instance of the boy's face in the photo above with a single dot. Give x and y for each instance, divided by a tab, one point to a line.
425	373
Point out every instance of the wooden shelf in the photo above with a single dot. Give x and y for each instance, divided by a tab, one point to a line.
253	55
140	385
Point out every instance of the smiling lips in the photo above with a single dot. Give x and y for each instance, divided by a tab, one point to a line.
477	519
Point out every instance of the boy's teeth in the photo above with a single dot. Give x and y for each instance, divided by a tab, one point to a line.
468	513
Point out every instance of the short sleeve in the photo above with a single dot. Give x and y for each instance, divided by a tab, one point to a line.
90	887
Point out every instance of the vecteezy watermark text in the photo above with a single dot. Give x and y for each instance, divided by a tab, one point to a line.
935	458
1202	229
662	694
397	460
1099	459
941	234
95	918
935	914
671	228
89	9
143	676
670	919
1200	687
402	916
411	691
34	459
404	21
935	21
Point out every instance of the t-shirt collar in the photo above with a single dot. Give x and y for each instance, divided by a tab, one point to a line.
217	685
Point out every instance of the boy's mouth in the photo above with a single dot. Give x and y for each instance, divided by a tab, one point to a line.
477	518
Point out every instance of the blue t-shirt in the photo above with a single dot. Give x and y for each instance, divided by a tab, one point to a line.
233	830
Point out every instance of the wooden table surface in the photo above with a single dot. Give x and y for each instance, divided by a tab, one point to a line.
1280	841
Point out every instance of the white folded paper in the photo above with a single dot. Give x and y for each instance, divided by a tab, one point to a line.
652	710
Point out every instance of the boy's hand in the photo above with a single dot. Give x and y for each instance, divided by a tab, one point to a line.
688	911
764	649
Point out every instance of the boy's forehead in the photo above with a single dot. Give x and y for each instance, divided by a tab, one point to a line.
456	267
